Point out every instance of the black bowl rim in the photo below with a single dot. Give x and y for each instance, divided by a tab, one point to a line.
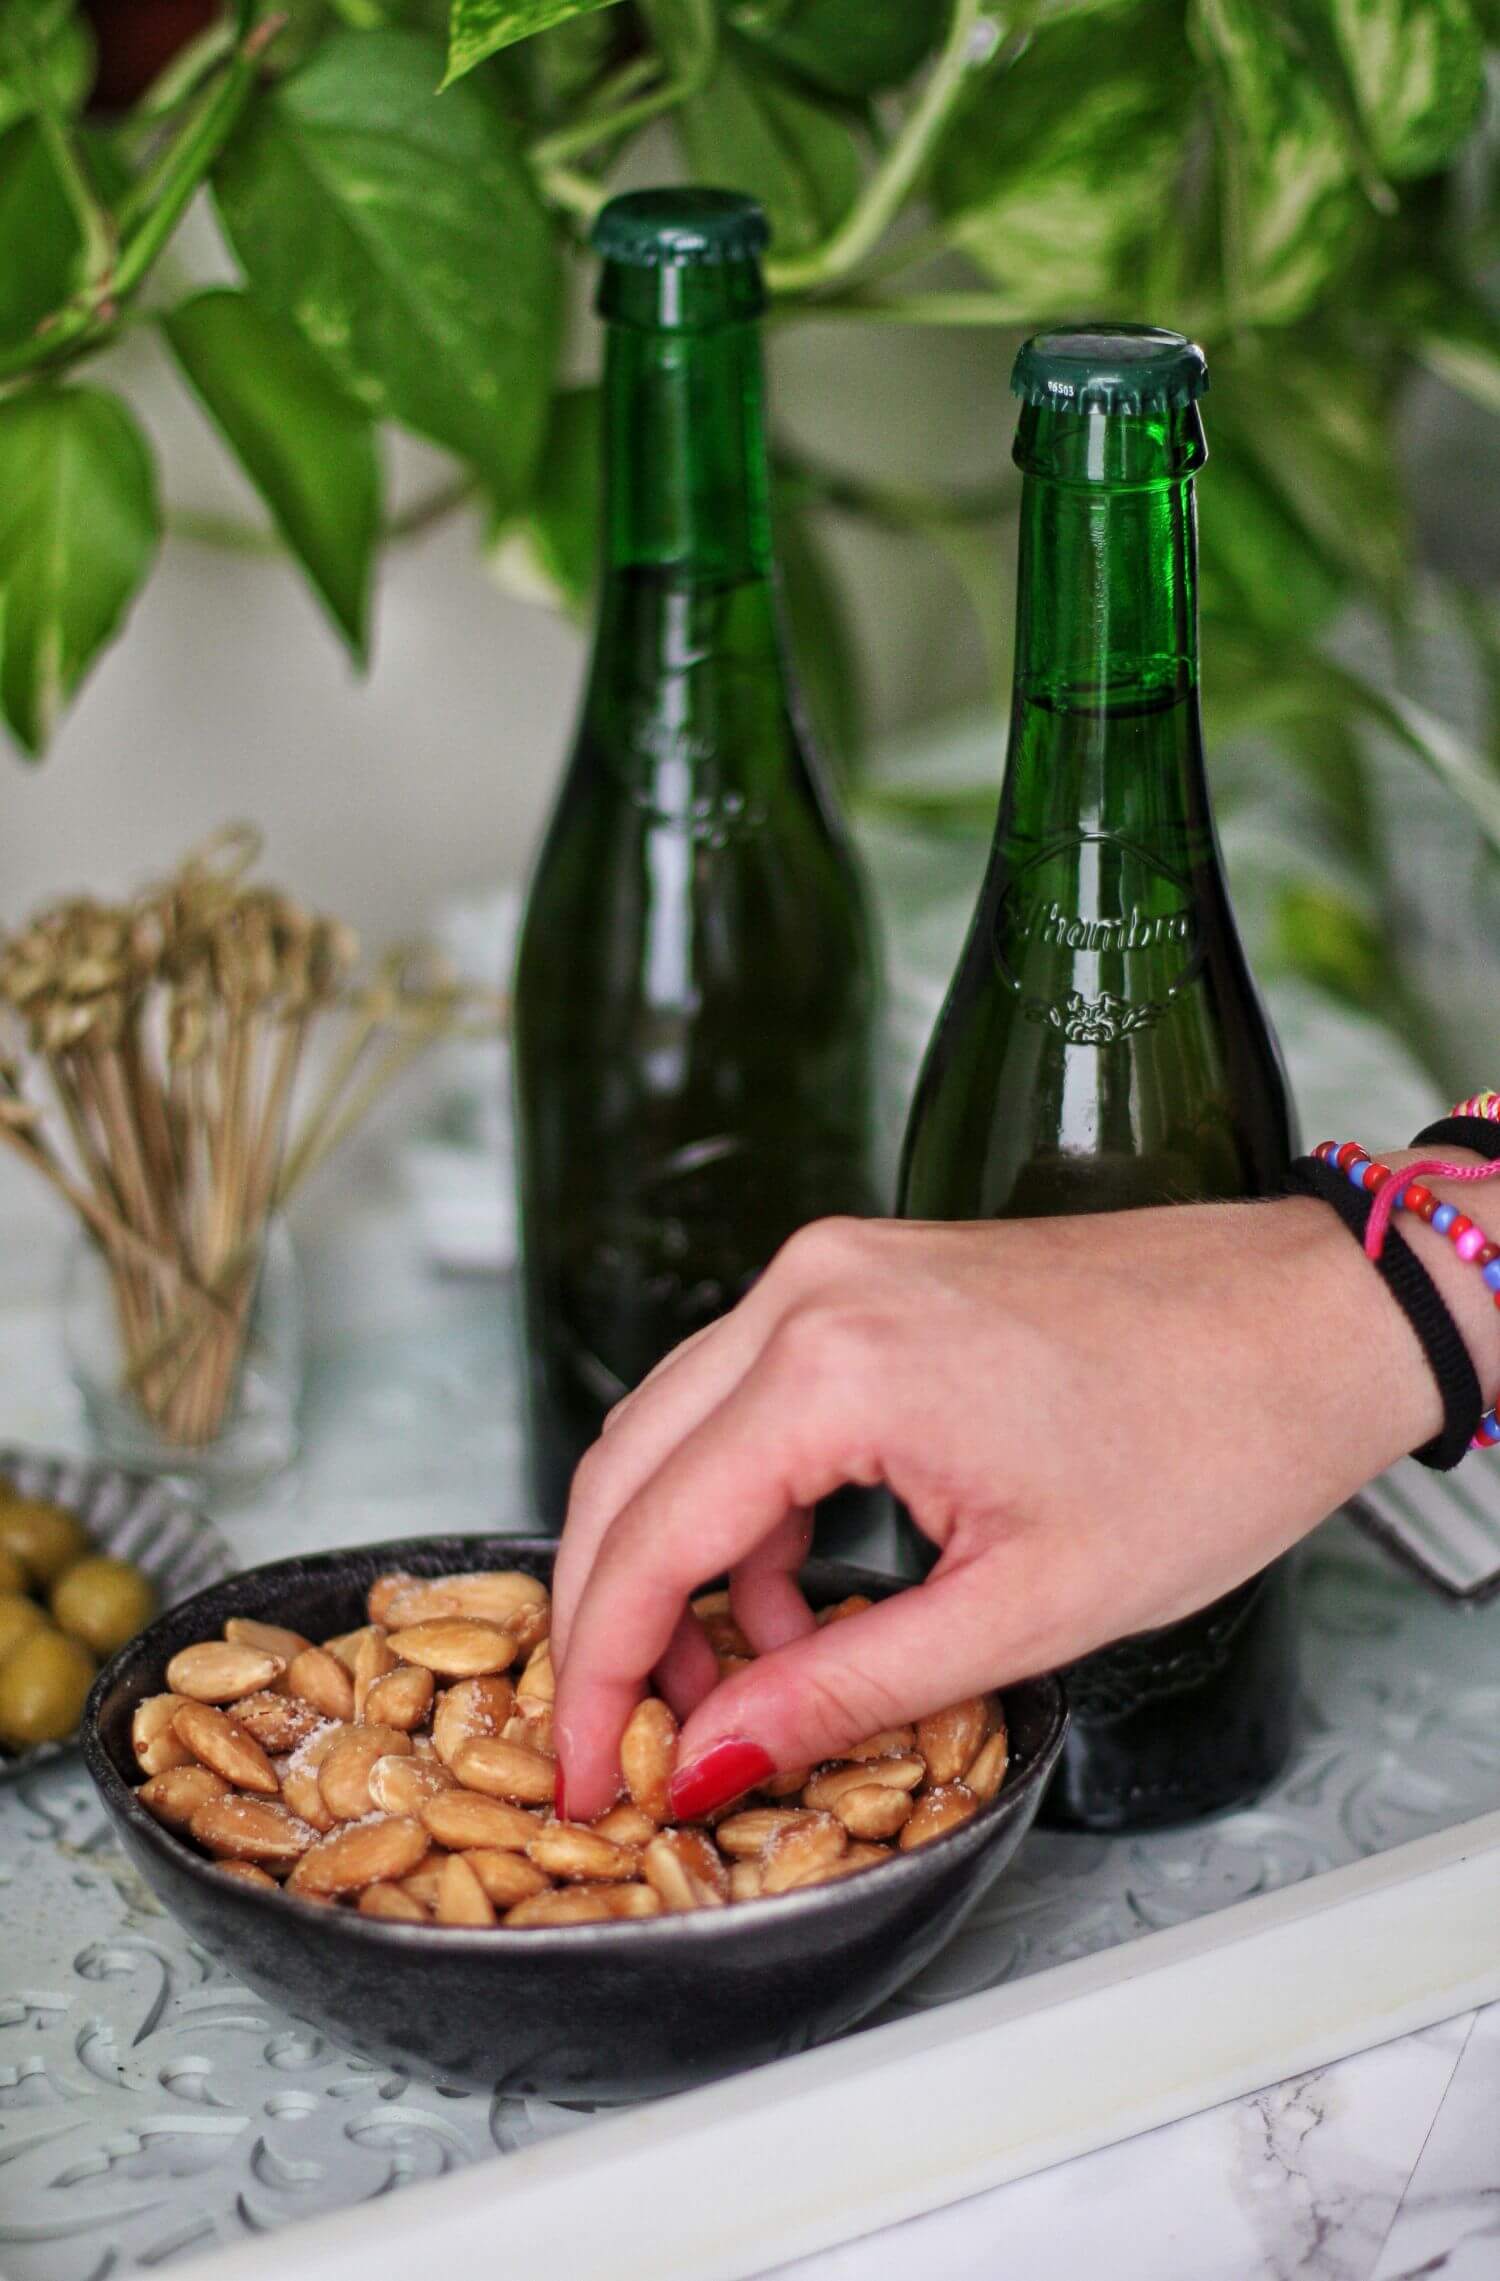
688	1927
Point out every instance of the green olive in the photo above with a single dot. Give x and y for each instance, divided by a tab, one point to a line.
43	1684
44	1538
102	1602
18	1617
12	1572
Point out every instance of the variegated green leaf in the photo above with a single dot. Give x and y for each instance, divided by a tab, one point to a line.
477	28
1293	205
1057	168
1417	71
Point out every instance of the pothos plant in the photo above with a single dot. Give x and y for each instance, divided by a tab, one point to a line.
403	189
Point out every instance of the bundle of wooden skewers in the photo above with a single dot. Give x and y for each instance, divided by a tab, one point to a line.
151	1076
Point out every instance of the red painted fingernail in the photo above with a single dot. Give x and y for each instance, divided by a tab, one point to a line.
559	1797
726	1770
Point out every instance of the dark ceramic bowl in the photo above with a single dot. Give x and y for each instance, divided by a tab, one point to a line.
585	2012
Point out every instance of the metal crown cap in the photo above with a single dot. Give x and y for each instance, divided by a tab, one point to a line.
1110	368
654	229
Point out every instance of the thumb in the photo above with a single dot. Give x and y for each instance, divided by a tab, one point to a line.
921	1650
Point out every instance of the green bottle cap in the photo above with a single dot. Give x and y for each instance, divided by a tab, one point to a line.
681	261
651	227
1110	368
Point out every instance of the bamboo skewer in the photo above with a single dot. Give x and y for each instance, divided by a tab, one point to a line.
169	1035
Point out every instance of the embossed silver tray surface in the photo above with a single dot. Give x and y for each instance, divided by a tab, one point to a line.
131	1515
150	2107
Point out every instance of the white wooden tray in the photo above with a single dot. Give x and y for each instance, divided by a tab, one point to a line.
151	2110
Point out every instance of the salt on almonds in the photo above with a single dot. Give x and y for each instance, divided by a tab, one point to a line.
417	1786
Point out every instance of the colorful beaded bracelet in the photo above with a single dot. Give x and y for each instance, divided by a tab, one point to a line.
1392	1192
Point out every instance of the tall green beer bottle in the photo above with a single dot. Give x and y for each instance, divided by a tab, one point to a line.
696	985
1102	1045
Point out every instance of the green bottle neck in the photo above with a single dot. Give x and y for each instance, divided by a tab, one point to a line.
687	475
1107	606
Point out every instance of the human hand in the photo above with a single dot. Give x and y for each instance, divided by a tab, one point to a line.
1101	1423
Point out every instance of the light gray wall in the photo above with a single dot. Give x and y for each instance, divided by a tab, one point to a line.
229	697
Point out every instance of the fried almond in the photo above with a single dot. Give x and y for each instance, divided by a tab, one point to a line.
744	1880
627	1824
532	1725
474	1710
891	1742
344	1647
848	1864
278	1722
873	1810
461	1899
175	1794
463	1819
648	1756
300	1792
216	1671
507	1770
385	1592
422	1882
271	1639
577	1855
455	1647
745	1836
393	1902
494	1595
950	1740
855	1605
403	1785
828	1786
344	1776
400	1698
373	1658
788	1785
683	1867
367	1853
585	1905
792	1854
936	1812
152	1737
538	1682
988	1770
247	1873
320	1679
725	1636
506	1877
251	1829
218	1741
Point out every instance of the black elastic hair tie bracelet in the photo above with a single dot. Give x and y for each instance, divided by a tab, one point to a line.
1477	1133
1419	1299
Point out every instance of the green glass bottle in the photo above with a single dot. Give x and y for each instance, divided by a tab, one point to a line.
696	987
1102	1045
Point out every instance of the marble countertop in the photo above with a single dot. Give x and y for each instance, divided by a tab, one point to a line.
1381	2168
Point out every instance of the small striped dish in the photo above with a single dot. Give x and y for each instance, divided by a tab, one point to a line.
132	1515
1445	1526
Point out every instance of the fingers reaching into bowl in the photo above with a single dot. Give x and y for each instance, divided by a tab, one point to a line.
1092	1435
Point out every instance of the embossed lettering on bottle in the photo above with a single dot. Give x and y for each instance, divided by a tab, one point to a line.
1096	935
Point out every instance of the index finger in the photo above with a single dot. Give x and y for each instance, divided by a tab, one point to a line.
770	1448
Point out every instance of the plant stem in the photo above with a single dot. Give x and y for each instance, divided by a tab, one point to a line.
575	193
200	527
569	142
883	195
145	220
936	309
95	226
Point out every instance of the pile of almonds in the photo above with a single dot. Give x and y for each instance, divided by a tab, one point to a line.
407	1768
